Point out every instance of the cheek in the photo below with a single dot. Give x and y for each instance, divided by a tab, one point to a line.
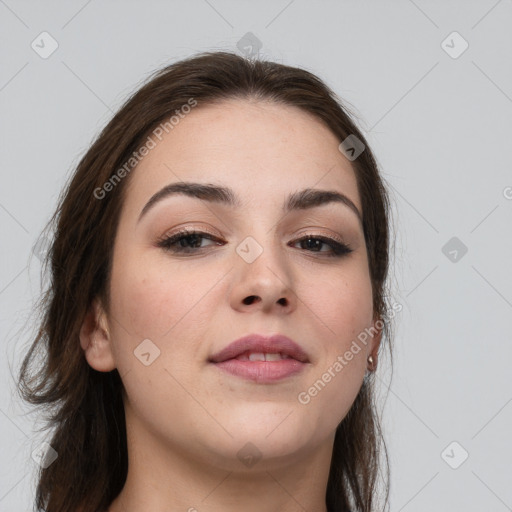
329	397
153	300
342	306
344	312
173	309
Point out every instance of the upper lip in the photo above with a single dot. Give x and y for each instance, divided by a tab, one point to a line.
258	343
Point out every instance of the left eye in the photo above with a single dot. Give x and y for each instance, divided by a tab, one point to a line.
189	242
338	248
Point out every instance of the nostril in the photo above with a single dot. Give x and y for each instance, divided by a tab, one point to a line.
250	299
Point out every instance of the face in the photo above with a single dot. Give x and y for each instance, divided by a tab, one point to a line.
255	269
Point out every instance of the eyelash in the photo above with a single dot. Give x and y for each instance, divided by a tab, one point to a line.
338	249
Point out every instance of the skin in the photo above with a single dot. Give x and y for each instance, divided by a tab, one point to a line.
186	419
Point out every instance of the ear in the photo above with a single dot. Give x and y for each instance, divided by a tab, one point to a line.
95	339
374	344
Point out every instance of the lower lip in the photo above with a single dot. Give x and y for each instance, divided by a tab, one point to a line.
262	371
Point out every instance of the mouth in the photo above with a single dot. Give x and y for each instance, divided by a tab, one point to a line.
262	359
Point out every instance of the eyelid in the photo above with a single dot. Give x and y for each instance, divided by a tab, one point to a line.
317	231
188	229
311	231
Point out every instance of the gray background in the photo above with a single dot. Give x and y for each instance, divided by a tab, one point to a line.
441	129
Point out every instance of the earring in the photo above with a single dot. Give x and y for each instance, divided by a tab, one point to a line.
370	361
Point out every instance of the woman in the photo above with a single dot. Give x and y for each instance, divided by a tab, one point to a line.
217	302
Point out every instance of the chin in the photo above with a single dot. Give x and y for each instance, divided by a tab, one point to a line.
257	454
275	430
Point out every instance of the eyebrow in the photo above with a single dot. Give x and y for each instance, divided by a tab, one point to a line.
300	200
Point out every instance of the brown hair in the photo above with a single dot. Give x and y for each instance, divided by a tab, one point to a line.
84	407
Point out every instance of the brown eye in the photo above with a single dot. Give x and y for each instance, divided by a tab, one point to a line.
313	243
185	241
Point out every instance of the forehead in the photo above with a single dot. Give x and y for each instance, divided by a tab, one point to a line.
260	149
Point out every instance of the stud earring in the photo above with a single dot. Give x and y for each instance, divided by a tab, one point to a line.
370	361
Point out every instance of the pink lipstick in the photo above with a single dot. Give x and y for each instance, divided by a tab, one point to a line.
263	359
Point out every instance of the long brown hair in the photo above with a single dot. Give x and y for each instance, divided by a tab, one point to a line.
84	407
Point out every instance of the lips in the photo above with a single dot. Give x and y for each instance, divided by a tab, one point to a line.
261	359
258	344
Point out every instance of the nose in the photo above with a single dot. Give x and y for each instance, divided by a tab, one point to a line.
264	284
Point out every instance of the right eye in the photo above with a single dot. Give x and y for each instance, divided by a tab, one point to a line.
185	241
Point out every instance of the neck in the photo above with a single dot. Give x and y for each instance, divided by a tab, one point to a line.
163	477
